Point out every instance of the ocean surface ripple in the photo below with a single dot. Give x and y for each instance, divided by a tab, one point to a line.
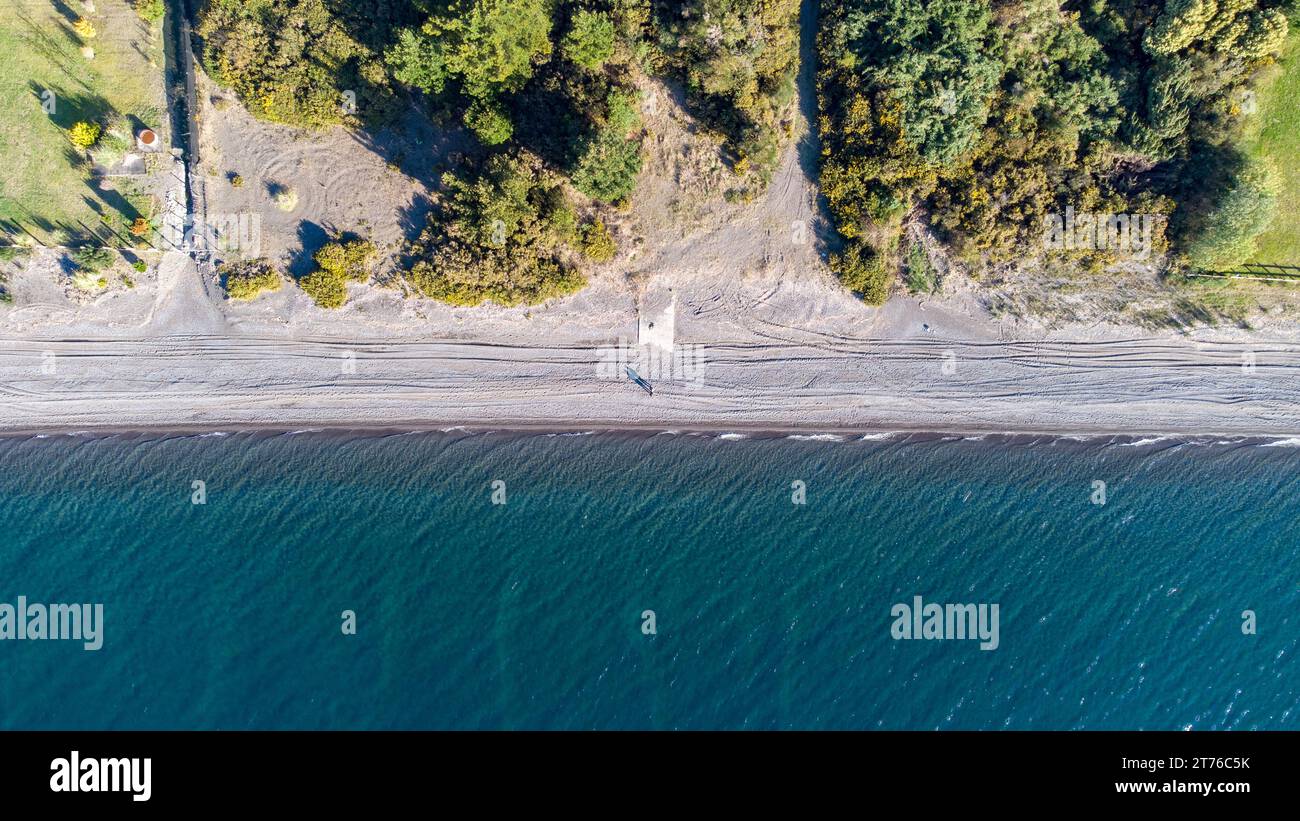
768	614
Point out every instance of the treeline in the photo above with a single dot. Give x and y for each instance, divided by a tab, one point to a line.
547	87
309	63
992	116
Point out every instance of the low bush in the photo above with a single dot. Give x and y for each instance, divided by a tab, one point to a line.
338	262
863	270
93	259
250	279
84	135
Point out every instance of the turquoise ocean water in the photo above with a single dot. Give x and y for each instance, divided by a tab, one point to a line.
768	614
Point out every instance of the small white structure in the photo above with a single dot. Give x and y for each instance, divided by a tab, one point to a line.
656	324
147	140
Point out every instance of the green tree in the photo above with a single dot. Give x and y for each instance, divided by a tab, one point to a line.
590	41
93	259
608	167
1265	33
325	289
489	122
418	60
1181	23
290	61
497	236
349	259
1169	109
738	60
597	243
1228	235
937	58
492	46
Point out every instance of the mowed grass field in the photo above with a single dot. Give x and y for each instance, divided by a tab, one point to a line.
1278	137
43	182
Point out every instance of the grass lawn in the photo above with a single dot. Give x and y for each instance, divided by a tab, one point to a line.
44	182
1278	137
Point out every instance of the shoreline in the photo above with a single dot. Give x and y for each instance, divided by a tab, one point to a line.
746	432
784	356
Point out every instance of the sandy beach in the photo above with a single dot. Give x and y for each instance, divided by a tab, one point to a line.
780	349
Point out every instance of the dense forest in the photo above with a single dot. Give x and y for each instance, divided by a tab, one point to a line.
548	89
988	117
982	120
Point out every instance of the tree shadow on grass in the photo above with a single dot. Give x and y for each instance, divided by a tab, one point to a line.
73	108
18	230
111	199
66	10
39	40
103	195
73	232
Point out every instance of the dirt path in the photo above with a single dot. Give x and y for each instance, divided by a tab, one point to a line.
186	303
